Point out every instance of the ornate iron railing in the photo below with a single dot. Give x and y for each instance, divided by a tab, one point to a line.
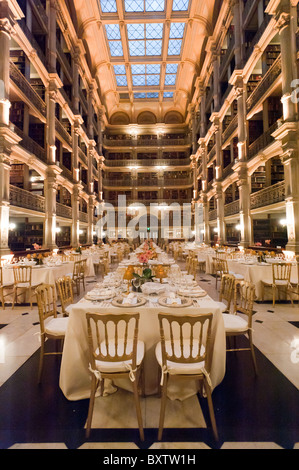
21	198
25	87
267	196
232	208
264	85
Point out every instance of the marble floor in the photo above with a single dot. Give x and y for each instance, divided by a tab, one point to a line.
252	412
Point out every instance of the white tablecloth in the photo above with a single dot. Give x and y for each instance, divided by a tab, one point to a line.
47	274
256	273
75	376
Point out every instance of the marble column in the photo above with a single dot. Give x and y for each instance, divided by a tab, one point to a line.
90	213
50	190
75	215
8	138
288	133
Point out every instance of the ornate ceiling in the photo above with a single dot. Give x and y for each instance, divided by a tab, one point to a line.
145	54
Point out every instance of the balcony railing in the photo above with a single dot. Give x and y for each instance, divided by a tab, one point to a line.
267	196
233	125
21	198
213	214
25	87
264	85
143	162
232	208
60	129
262	142
211	154
63	211
83	217
30	145
145	142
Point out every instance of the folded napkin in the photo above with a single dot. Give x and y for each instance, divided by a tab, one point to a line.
172	299
131	299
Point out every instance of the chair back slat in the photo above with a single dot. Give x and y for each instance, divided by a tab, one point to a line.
22	274
65	291
244	295
46	303
113	338
185	338
281	271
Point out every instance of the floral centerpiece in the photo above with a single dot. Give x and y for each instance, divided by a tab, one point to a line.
38	258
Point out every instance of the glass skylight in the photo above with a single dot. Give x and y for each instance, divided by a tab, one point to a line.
120	75
145	39
146	74
146	95
114	40
180	5
170	74
108	6
168	94
175	38
135	6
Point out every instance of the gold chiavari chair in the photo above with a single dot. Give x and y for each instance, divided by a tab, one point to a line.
281	280
114	352
3	287
226	290
51	327
185	357
65	292
78	275
23	281
235	325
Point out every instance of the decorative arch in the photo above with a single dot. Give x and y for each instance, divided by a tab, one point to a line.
146	117
120	118
173	117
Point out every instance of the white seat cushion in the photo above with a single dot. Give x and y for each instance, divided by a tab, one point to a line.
57	326
222	306
234	323
281	282
237	276
106	366
174	368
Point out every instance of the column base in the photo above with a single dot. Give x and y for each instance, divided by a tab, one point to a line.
5	252
293	246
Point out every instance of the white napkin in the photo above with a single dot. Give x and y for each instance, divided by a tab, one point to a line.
172	299
131	299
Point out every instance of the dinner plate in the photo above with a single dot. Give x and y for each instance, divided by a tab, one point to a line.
183	302
103	296
190	293
121	301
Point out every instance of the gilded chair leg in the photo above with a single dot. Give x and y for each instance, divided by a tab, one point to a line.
163	407
211	410
94	385
138	410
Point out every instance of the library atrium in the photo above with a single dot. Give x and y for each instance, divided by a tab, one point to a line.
149	168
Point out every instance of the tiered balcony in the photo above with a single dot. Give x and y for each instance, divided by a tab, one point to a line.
268	196
265	85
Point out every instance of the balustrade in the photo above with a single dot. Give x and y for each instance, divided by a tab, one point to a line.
267	196
21	198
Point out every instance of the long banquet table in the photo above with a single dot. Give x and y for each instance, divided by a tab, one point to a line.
75	376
